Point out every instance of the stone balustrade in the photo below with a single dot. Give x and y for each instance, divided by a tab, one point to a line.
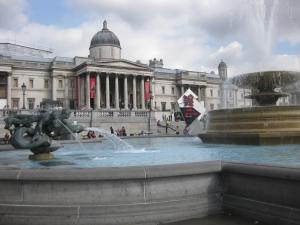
134	121
82	114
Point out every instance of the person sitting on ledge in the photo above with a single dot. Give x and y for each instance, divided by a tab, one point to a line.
91	134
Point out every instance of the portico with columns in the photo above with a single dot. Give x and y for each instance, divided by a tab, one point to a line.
112	85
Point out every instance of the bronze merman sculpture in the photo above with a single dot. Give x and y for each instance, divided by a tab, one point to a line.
35	132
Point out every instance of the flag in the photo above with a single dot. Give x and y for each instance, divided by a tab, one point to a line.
147	90
92	87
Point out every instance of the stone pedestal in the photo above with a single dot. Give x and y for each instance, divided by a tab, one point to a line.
41	157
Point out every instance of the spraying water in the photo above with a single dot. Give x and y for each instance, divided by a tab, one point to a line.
116	141
73	135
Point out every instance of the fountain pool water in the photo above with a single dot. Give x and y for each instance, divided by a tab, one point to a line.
153	151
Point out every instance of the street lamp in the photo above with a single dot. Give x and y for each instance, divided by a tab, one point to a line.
23	89
150	108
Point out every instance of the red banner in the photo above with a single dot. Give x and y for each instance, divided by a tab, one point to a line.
92	87
147	90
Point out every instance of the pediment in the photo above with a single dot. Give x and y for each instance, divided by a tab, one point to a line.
124	64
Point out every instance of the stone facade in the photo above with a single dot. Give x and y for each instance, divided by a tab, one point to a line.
105	81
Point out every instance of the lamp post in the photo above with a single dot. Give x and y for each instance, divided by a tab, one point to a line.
23	89
150	108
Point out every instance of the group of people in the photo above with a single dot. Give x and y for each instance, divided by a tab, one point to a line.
91	134
119	132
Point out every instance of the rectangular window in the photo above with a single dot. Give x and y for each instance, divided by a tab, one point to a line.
163	106
30	83
31	102
3	86
163	89
230	94
173	106
15	82
15	103
211	92
60	84
219	93
46	83
212	106
173	91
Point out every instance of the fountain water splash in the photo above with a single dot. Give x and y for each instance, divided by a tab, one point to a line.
116	141
73	135
261	19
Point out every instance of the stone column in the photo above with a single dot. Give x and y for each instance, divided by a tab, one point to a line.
143	92
81	88
125	92
9	91
117	92
53	88
204	97
87	96
107	91
134	92
78	95
98	91
152	94
182	89
66	94
199	93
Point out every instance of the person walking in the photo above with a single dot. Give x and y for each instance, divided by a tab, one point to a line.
167	126
112	130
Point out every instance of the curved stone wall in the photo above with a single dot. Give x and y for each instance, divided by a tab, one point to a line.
266	125
129	195
265	193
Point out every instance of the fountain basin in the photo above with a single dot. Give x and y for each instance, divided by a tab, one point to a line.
149	195
265	125
130	195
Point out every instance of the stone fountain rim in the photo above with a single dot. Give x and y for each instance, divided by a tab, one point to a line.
149	172
109	173
268	71
257	109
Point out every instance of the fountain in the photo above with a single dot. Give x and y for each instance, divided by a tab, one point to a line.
265	124
170	179
47	125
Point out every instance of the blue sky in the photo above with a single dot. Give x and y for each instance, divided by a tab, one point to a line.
249	35
55	12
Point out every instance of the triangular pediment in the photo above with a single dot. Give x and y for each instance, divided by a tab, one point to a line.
123	64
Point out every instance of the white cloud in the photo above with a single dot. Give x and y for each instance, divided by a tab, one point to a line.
231	53
12	14
192	34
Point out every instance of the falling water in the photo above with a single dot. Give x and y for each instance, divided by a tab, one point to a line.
73	135
116	141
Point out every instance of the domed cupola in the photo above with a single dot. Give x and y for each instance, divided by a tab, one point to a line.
105	44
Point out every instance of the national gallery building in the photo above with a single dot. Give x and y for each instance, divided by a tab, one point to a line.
105	81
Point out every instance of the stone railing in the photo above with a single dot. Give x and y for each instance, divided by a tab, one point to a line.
87	114
81	114
134	120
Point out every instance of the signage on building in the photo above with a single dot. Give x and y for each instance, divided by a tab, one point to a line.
190	109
